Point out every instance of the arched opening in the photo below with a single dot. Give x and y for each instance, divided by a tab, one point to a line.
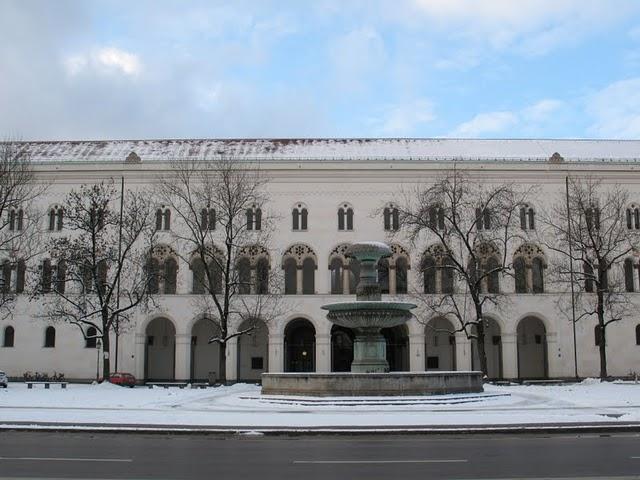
493	277
532	348
50	337
492	347
244	276
170	275
262	276
205	356
336	276
308	276
153	274
91	338
253	351
520	273
428	274
440	345
290	272
628	275
383	275
354	275
341	348
160	347
199	277
397	339
537	275
9	337
299	346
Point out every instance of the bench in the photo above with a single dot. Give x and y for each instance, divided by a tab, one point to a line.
200	385
46	384
543	382
166	384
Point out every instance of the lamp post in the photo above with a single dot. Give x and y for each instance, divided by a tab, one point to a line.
98	347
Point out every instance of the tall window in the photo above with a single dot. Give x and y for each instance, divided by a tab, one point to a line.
153	275
391	218
527	217
633	217
208	219
9	337
337	276
493	276
299	217
21	272
244	276
588	277
597	335
402	267
483	218
50	337
628	275
6	270
16	219
638	334
520	272
429	274
170	276
262	276
56	216
345	217
528	266
436	217
383	275
46	276
290	276
592	217
254	218
91	338
163	218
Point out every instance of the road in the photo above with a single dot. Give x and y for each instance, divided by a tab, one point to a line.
335	457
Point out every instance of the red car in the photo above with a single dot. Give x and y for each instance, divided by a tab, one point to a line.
122	379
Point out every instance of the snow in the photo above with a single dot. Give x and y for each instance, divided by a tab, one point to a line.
336	149
241	406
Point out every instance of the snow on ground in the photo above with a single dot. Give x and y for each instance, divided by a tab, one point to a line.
242	406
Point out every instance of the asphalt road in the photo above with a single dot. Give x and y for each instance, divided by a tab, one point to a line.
335	457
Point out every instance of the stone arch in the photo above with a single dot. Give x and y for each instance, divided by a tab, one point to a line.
254	253
299	346
199	282
253	350
344	270
341	348
493	348
440	344
160	347
532	348
204	356
436	276
162	266
397	339
299	252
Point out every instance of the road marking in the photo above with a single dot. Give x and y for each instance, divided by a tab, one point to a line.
456	460
635	458
64	459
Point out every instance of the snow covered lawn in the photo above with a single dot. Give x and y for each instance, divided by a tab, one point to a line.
242	406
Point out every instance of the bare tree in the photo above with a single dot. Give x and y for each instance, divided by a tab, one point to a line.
224	236
594	237
471	226
96	276
19	220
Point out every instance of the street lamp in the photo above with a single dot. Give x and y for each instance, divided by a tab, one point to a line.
98	347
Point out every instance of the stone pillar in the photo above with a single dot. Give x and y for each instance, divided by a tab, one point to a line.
183	357
141	339
463	352
392	279
276	352
417	362
509	355
345	280
232	360
323	353
299	279
557	360
253	275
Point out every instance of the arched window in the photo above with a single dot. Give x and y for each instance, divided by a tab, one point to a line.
198	276
5	285
628	275
429	274
16	219
592	217
537	275
170	276
290	276
633	217
597	335
50	337
402	268
254	218
262	276
244	276
588	277
354	275
436	217
383	275
638	334
91	338
61	276
9	337
446	275
216	275
21	272
299	217
337	276
493	276
483	218
47	274
153	275
207	219
391	218
345	217
520	273
308	276
527	217
56	215
163	218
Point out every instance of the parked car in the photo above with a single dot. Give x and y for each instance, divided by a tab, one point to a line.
4	381
123	379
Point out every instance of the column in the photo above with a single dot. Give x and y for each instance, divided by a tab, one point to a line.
416	352
141	339
232	360
463	352
183	357
276	353
556	364
392	279
323	353
299	279
509	355
345	280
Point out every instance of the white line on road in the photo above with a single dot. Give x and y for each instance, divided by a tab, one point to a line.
460	460
63	459
635	458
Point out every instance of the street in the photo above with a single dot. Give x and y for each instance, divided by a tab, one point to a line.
86	455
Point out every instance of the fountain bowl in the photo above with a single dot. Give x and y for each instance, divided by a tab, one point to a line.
369	314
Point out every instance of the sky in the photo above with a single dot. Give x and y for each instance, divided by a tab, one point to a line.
319	68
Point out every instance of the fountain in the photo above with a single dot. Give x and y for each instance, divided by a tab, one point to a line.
370	370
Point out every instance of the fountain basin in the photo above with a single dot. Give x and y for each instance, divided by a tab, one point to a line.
369	314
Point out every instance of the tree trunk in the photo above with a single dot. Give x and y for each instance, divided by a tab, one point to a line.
222	362
106	356
602	348
482	353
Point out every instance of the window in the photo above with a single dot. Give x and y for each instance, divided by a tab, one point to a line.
345	217
436	217
383	275
336	268
199	276
96	218
163	218
262	276
520	272
61	276
446	275
429	274
170	276
9	337
308	276
402	268
47	274
56	215
244	276
21	271
598	335
537	275
493	275
437	271
208	219
628	275
5	272
299	217
483	218
391	218
633	217
16	219
588	277
637	334
290	276
527	217
153	275
91	338
50	337
254	218
433	362
257	363
592	217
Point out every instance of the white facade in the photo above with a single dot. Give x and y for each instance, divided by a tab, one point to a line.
324	176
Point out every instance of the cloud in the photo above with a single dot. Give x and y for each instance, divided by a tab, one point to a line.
542	110
485	123
403	119
615	110
105	60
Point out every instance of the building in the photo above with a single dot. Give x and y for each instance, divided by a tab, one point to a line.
328	193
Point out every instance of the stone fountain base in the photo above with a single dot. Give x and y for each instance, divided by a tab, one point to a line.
371	384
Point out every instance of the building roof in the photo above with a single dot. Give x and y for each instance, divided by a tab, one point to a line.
336	149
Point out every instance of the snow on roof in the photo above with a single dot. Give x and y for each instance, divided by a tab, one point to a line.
336	149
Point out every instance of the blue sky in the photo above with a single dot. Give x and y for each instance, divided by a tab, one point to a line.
324	68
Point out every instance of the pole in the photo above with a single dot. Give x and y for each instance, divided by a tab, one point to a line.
98	345
119	260
573	301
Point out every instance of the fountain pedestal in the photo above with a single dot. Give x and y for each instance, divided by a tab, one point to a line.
369	352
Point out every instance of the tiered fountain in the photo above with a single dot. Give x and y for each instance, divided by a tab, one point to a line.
370	370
